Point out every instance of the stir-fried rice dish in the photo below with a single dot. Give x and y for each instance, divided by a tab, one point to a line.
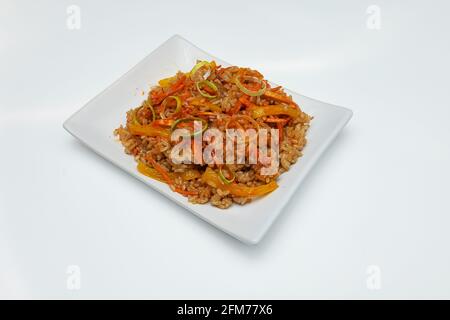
214	134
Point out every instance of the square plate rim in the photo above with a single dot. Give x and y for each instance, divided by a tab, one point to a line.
247	240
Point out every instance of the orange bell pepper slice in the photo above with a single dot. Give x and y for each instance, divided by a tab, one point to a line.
279	97
148	130
276	109
160	174
211	178
202	102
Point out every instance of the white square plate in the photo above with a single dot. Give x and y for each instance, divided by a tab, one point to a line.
95	122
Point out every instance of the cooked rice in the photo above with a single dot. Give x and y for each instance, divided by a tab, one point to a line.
144	147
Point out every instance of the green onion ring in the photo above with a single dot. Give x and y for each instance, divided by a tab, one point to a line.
177	122
209	84
163	105
250	92
197	67
145	105
149	105
225	180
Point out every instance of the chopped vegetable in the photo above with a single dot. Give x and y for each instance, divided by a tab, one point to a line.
148	130
163	122
145	105
274	110
212	178
224	179
151	172
280	131
205	92
190	174
166	81
175	87
183	120
244	100
162	173
236	107
164	105
197	67
279	97
277	120
202	102
249	92
242	117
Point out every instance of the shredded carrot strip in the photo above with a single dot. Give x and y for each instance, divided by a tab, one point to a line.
163	122
244	100
280	131
173	89
161	170
237	106
270	94
185	192
206	113
168	179
277	120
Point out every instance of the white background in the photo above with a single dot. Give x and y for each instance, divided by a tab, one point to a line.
379	196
